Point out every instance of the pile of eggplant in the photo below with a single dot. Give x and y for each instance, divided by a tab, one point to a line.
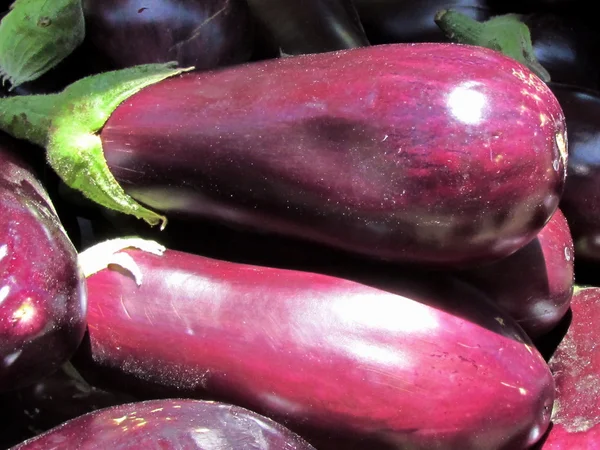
281	225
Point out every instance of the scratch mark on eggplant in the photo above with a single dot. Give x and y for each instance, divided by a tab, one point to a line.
124	307
196	31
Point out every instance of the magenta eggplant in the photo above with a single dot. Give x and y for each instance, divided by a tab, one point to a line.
436	153
169	424
425	365
42	292
200	33
535	284
576	368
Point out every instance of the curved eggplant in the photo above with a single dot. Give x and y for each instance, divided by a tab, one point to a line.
200	33
581	198
312	26
535	284
576	368
392	21
172	424
42	291
322	354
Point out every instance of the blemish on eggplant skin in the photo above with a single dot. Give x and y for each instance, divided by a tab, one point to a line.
141	10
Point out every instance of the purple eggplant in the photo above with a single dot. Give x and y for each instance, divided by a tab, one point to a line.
439	154
392	21
581	199
200	33
576	368
322	354
535	284
42	291
169	424
312	26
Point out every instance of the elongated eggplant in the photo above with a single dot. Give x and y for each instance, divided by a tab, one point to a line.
42	291
200	33
581	199
312	26
393	21
535	284
437	153
576	368
172	424
423	365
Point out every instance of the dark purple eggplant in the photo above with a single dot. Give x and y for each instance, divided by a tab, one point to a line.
312	26
566	45
200	33
576	368
581	199
434	153
42	292
535	284
392	21
418	365
169	424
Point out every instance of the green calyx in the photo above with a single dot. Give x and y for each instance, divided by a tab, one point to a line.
506	34
36	35
67	125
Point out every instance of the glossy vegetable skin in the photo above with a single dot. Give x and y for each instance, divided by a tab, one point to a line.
312	26
576	368
437	153
171	424
535	284
42	292
322	354
393	21
581	199
204	34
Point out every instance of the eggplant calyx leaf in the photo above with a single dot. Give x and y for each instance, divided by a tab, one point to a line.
506	34
103	254
67	124
36	35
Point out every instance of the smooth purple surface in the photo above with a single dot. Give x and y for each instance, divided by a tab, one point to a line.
169	424
535	284
312	26
423	365
42	293
200	33
581	199
436	153
576	368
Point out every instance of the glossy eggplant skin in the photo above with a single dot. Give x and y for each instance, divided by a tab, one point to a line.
42	292
312	26
323	354
566	45
535	284
434	153
395	21
581	198
576	368
200	33
172	424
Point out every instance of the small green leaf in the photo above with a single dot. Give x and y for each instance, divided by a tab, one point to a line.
36	35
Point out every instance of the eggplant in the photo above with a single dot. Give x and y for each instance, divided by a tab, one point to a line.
200	33
42	290
170	424
313	26
328	357
576	368
438	154
581	198
396	21
566	46
535	284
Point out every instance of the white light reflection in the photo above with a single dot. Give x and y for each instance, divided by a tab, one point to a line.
3	251
4	291
466	103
